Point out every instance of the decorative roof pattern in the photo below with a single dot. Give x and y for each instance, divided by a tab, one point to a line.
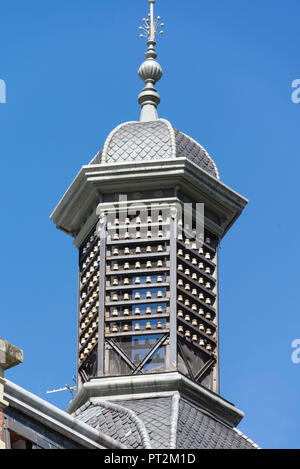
150	141
149	423
142	141
156	415
189	148
112	422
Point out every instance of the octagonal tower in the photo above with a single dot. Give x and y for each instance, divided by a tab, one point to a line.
147	215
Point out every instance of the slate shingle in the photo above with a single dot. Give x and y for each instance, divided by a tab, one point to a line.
150	141
196	429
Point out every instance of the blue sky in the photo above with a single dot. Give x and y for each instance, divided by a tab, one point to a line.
70	67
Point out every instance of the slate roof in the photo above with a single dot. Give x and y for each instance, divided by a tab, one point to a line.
113	423
148	422
156	415
150	141
198	430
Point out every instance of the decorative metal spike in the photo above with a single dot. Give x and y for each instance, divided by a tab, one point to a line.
150	71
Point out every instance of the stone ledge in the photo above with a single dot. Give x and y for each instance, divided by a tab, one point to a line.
10	355
83	195
157	385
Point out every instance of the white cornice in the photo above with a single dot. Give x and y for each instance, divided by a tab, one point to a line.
156	385
84	194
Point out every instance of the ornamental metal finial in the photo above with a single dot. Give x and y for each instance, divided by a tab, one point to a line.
150	71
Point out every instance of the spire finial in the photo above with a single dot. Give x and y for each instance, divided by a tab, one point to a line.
150	71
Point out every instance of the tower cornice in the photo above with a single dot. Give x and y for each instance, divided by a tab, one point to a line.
154	386
81	199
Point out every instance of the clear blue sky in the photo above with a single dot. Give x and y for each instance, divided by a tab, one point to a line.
71	72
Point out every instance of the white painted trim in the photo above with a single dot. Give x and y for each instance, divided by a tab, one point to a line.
136	387
56	419
84	192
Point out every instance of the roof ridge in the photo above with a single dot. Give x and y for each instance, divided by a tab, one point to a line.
246	438
172	136
174	420
131	415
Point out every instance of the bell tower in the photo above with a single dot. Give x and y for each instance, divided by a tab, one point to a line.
148	288
147	215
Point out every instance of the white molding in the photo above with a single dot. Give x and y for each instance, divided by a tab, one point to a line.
157	385
84	194
56	419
